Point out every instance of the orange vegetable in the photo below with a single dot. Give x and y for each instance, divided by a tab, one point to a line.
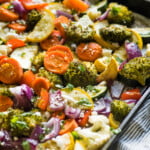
15	43
28	78
18	27
10	71
59	22
39	83
69	125
62	48
29	5
59	114
5	103
54	39
44	99
56	62
2	1
83	121
89	51
78	5
131	94
7	15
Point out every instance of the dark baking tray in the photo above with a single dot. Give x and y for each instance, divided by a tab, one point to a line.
146	94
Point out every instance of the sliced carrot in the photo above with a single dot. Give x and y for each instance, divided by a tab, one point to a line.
54	39
28	78
83	121
89	51
39	83
10	71
78	5
18	27
15	43
56	62
62	48
29	5
3	56
68	126
7	15
44	99
2	1
60	22
5	103
59	114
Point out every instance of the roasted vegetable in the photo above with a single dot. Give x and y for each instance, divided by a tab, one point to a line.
32	18
115	33
80	31
120	14
119	109
81	74
37	61
23	123
52	77
137	69
4	90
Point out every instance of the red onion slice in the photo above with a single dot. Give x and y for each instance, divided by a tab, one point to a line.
71	112
103	16
132	50
131	102
53	123
116	89
56	101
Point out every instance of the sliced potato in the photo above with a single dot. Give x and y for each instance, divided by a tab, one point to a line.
43	28
111	71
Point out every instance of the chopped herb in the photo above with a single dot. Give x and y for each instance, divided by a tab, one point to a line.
26	145
115	131
84	102
69	87
23	54
119	59
10	7
81	68
75	135
115	10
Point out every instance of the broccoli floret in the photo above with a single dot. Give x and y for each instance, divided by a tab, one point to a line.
55	79
120	14
23	124
32	18
137	69
119	109
79	31
115	33
4	90
37	61
81	74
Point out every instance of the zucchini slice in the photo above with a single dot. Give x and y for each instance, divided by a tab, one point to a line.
97	91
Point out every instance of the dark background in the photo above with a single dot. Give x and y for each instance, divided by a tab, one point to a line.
139	6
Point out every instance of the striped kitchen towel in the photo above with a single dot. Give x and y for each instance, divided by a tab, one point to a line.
136	134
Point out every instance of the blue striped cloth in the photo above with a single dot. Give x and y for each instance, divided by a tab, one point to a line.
136	135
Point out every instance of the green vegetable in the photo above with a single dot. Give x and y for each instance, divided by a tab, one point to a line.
137	69
81	74
119	109
97	90
32	18
4	90
79	31
37	61
120	14
52	77
26	145
115	33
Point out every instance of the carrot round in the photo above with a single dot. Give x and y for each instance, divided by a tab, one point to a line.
56	62
18	27
28	77
10	71
78	5
44	99
68	126
59	22
89	51
5	103
54	39
7	15
62	48
15	43
2	1
39	83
